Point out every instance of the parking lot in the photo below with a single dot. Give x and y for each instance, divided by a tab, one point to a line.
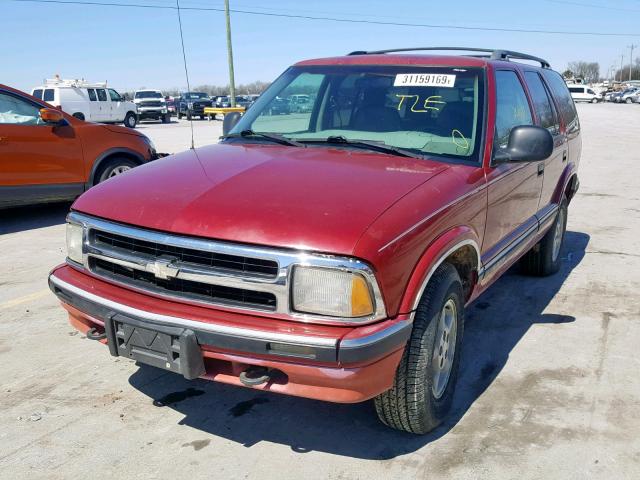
549	386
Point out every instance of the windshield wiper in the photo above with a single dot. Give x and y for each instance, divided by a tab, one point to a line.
274	137
364	144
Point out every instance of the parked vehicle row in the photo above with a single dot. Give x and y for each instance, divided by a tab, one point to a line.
331	252
628	95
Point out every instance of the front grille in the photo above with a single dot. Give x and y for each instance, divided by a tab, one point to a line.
184	288
152	103
218	261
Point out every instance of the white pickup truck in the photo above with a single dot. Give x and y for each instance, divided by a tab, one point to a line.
151	104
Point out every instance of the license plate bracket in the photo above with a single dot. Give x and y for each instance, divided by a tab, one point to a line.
168	347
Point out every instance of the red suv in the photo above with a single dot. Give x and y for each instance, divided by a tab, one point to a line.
331	253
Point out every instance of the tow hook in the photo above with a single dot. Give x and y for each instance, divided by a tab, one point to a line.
254	376
92	334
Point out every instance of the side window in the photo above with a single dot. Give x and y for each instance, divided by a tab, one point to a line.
37	93
102	95
563	98
542	103
512	106
92	94
115	96
16	111
48	95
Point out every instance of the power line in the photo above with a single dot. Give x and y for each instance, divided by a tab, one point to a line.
341	20
591	5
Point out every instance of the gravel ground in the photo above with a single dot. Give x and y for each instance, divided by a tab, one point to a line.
549	386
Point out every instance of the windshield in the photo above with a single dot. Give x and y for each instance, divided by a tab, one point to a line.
425	110
148	95
195	96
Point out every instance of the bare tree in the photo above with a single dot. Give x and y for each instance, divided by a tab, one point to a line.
589	71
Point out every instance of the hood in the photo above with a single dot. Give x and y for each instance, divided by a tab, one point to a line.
313	198
120	130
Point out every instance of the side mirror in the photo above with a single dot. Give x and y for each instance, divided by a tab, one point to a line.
230	121
527	143
49	115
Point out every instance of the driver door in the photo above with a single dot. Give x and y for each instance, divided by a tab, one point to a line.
38	162
513	188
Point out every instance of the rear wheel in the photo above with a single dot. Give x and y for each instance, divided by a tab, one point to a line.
423	388
130	120
544	258
113	168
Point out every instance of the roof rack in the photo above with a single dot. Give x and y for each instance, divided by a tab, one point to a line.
61	82
493	54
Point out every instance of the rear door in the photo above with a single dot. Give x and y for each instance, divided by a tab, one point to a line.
104	107
547	117
38	162
513	188
568	115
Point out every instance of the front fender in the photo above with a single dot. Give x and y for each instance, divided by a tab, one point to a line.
436	253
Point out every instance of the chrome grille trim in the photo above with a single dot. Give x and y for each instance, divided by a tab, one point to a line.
278	285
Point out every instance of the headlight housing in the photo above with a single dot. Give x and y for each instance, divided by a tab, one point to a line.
152	146
331	292
75	238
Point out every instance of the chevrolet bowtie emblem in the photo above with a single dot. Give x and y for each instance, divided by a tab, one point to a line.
163	268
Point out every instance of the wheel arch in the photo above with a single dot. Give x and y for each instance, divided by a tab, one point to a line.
459	246
108	155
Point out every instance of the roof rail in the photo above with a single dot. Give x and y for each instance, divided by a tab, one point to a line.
493	54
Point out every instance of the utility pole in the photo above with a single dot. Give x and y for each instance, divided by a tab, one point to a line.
631	47
621	66
232	84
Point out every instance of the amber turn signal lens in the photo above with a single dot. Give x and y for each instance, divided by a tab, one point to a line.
361	303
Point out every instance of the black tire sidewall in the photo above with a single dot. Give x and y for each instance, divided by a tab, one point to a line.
110	165
449	287
127	121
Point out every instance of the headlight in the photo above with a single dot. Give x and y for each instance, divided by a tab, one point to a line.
336	293
74	242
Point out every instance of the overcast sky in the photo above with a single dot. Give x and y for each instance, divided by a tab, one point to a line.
140	47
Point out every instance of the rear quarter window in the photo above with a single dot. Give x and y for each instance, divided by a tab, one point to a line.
38	93
563	99
49	95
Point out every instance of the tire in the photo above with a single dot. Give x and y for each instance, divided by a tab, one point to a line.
189	116
114	167
594	100
416	402
544	258
166	118
628	101
130	120
79	116
179	115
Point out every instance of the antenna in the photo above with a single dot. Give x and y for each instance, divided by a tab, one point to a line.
186	72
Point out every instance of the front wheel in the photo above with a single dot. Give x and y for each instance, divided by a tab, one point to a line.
130	120
113	168
166	118
423	388
189	116
594	100
544	258
628	100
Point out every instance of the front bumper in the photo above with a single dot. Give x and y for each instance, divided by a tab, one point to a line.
338	364
152	113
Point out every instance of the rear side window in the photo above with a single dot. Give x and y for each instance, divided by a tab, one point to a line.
92	94
48	95
542	103
102	95
563	98
38	93
512	106
576	89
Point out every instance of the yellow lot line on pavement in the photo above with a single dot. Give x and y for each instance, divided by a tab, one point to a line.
24	299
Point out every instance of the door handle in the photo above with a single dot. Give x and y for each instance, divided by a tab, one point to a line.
564	156
540	168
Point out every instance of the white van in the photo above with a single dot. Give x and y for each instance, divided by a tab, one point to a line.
93	102
582	93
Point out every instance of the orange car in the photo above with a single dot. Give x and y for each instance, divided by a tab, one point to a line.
47	155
